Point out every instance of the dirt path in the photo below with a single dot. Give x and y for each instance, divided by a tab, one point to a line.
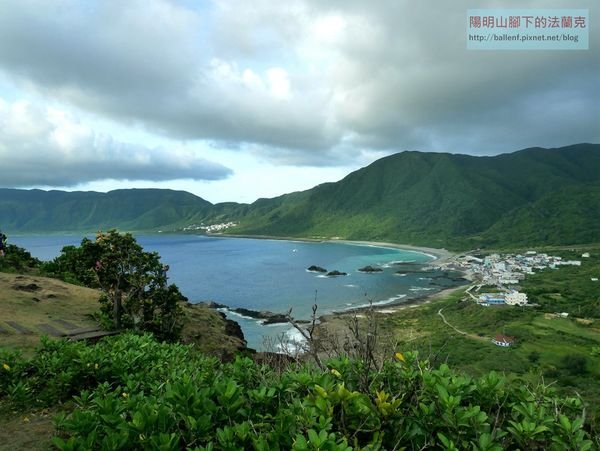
461	332
31	431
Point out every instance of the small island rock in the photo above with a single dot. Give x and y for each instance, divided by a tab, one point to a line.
335	273
315	268
369	268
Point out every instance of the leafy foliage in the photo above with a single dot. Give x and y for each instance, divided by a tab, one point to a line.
132	392
75	264
17	259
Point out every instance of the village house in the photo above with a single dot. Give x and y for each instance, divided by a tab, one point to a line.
516	298
503	340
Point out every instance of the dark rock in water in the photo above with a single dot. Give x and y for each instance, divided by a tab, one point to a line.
233	329
214	305
266	316
315	268
369	268
335	273
247	312
276	319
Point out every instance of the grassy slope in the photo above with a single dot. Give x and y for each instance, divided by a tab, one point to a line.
537	330
58	300
52	300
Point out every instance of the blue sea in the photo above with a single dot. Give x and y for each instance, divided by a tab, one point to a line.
271	274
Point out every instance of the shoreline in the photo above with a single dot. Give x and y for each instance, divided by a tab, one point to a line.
336	324
398	306
439	255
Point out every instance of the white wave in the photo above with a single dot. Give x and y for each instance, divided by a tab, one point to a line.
293	342
239	315
231	312
274	324
421	289
401	274
350	285
424	278
383	302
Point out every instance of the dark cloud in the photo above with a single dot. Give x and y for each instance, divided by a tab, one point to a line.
304	81
146	61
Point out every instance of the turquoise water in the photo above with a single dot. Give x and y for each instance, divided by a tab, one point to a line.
271	274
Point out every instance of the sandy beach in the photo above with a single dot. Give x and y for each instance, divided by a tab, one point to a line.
440	255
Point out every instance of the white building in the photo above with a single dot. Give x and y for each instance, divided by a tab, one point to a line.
571	262
516	298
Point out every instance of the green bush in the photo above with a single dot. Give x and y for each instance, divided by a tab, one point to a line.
17	259
132	392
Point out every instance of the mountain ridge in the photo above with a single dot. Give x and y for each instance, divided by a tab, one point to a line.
423	198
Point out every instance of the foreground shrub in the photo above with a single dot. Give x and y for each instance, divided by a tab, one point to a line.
131	392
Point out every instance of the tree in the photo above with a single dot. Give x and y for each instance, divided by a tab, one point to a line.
76	264
135	293
534	357
575	364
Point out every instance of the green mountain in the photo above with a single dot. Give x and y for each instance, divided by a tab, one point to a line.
533	196
129	209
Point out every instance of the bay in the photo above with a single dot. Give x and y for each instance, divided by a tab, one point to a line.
271	275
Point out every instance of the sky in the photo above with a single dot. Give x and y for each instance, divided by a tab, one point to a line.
235	100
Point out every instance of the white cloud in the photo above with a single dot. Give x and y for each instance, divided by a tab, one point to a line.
48	146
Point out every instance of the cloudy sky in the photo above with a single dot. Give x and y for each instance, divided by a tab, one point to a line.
235	100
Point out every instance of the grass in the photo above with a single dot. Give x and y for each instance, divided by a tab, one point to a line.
30	300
